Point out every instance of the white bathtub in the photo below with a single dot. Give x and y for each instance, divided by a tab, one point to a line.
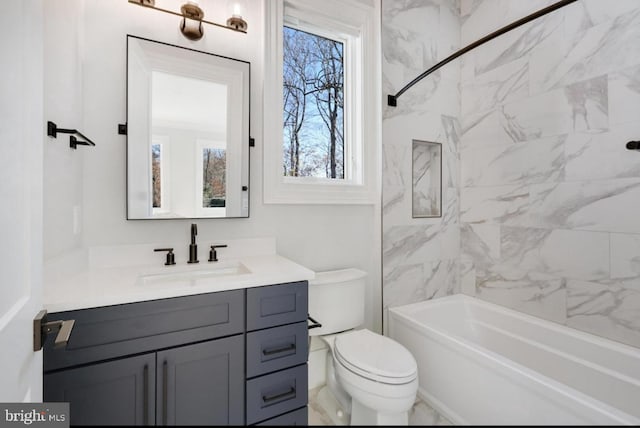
480	363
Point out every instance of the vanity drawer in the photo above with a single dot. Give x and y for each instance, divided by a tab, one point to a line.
276	348
115	331
275	305
297	417
276	393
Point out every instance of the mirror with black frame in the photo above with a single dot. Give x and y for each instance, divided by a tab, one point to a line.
187	133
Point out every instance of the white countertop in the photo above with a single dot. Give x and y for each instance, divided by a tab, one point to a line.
113	285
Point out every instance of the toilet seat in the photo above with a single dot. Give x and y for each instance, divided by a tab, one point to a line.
375	357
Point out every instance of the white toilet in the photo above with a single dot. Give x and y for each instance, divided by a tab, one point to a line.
372	376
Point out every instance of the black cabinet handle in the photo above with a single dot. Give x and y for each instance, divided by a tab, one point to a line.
287	394
279	349
165	391
145	403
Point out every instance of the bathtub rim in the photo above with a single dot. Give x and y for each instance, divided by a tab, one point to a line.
564	329
402	314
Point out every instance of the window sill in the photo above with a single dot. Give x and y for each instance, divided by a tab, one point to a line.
320	194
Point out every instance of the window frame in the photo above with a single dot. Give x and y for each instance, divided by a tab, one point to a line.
352	173
358	29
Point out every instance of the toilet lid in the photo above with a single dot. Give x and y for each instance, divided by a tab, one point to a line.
375	357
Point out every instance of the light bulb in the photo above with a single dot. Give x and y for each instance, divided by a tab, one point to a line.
237	9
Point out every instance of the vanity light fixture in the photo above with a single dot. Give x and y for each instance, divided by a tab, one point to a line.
193	17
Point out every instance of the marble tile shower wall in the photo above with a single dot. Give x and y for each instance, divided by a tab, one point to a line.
550	197
420	256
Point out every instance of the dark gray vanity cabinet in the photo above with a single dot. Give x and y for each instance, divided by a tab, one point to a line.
120	392
201	384
116	331
176	361
277	351
227	358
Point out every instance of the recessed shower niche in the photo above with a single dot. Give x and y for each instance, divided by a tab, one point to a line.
426	179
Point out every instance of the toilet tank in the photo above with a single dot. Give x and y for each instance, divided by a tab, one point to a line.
336	300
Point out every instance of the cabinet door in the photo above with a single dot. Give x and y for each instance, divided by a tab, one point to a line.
202	384
120	392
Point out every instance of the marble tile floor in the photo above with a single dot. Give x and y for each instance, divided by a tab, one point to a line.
324	410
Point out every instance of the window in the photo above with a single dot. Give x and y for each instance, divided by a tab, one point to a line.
313	104
322	84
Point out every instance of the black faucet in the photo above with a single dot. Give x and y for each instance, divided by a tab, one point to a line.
193	248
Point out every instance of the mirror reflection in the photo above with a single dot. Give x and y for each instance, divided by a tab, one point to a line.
188	133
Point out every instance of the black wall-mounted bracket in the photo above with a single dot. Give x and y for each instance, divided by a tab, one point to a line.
74	143
53	130
252	142
633	145
122	129
314	323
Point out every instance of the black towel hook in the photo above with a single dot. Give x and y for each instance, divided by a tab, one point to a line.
53	130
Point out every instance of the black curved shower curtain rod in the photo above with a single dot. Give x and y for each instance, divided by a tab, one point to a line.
392	100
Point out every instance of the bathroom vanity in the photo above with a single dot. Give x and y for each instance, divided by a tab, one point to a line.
233	356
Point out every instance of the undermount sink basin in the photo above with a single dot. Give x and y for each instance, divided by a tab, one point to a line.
193	273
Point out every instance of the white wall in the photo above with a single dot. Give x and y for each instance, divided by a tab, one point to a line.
63	167
319	237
